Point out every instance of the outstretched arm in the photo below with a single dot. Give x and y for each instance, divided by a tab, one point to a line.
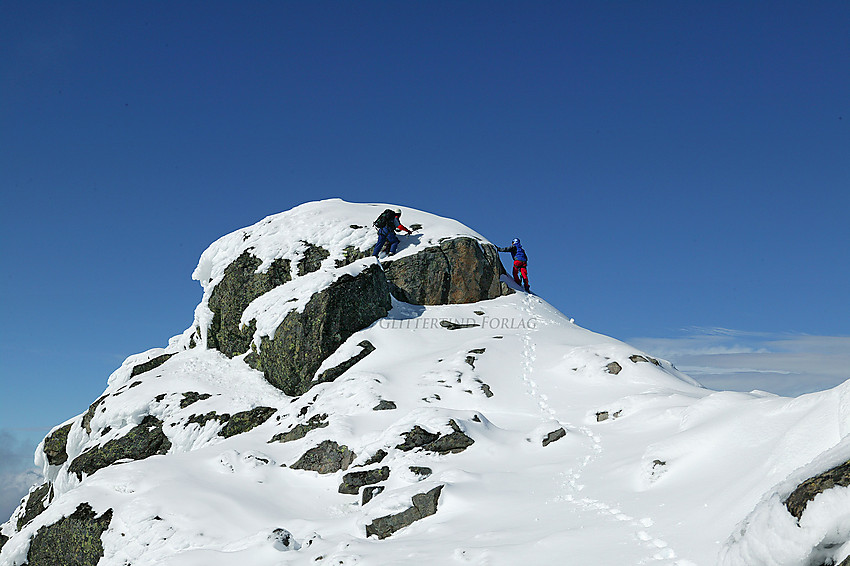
400	226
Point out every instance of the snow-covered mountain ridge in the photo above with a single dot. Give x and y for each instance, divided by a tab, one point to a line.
480	426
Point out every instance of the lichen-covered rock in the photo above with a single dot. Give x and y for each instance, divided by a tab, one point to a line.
351	254
369	493
799	498
71	541
424	505
232	295
353	481
149	365
459	270
326	458
144	440
416	438
312	259
87	418
421	472
55	446
202	420
246	420
451	443
300	430
376	458
37	502
305	339
338	370
191	397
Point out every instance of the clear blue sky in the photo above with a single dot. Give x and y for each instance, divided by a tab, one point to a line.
668	164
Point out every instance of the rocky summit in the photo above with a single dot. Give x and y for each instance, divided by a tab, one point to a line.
328	407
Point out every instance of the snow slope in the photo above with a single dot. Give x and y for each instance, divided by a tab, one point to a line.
653	468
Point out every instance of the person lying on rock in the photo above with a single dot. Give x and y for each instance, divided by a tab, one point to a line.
520	263
387	224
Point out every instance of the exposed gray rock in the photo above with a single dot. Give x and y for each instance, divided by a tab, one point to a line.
352	254
232	295
246	420
369	493
313	257
799	498
150	364
384	405
71	541
4	539
336	371
202	420
453	443
192	397
300	430
305	339
420	279
283	540
459	270
91	412
353	481
486	389
144	440
55	446
637	359
424	505
417	438
614	368
421	471
37	502
455	326
554	435
377	457
601	416
326	458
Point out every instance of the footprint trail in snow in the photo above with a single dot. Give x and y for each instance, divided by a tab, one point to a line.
658	550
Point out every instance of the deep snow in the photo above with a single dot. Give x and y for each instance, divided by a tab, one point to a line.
677	474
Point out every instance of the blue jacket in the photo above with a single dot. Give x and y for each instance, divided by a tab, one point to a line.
516	252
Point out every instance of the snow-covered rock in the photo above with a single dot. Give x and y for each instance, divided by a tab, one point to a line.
429	430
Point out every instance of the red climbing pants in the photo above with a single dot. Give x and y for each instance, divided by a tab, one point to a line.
520	267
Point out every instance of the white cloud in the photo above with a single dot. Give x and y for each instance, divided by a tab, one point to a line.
17	472
785	364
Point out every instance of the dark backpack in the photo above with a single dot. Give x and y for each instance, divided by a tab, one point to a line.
385	220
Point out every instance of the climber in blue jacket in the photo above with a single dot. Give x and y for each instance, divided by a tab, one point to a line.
387	223
520	263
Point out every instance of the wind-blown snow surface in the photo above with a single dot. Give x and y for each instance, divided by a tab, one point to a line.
677	474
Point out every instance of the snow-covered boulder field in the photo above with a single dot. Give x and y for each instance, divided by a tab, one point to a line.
325	408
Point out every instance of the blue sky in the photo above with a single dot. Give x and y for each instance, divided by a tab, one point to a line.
678	171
